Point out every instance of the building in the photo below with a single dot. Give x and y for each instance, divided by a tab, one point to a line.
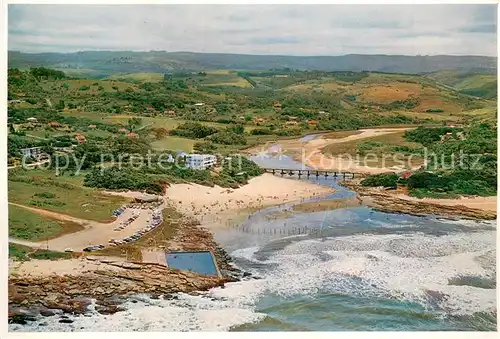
200	161
312	122
54	124
32	119
92	126
199	104
122	130
32	152
277	105
80	138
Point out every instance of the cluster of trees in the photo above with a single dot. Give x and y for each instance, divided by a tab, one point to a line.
193	130
152	179
46	73
428	136
387	180
124	178
233	135
461	166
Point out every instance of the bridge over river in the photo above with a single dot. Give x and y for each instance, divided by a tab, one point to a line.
313	172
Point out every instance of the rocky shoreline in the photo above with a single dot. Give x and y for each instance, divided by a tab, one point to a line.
103	284
386	201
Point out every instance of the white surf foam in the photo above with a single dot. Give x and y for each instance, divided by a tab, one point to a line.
413	267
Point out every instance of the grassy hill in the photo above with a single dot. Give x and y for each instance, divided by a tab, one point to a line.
478	85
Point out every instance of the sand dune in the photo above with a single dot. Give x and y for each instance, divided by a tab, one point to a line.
218	207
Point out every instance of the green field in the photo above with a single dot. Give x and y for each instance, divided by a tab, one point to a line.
28	225
174	143
68	196
142	77
20	252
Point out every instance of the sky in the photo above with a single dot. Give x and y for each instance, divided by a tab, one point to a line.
256	29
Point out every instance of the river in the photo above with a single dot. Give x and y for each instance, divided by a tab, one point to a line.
353	269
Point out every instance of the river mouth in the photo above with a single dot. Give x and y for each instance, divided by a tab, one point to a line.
348	269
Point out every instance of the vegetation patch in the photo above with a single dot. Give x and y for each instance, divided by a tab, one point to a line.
387	180
29	225
77	201
24	253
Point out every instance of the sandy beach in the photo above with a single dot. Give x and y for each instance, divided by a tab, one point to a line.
481	203
218	207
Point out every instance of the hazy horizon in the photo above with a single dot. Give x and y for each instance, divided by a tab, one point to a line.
252	54
292	30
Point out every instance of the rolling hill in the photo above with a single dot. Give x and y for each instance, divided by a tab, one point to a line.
105	63
478	85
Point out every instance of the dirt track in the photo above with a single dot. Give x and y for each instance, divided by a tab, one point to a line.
94	233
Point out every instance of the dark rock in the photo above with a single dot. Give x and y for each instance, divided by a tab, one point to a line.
20	319
111	309
46	312
246	274
42	324
66	321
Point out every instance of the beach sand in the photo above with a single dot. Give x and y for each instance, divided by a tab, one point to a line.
481	203
217	207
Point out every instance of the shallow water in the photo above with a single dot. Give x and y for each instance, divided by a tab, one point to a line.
351	269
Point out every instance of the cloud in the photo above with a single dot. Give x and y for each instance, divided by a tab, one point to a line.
256	29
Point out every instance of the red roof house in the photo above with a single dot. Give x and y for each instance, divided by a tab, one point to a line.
80	138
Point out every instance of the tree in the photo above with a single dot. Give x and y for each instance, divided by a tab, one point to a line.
60	105
134	123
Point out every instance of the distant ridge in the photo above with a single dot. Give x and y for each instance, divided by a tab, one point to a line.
112	62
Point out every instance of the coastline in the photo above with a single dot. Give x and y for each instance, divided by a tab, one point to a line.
44	287
395	201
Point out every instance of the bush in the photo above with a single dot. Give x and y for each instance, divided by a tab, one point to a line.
193	130
49	255
84	88
261	131
424	180
46	195
389	180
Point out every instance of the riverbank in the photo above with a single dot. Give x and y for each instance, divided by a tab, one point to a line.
397	201
310	152
217	207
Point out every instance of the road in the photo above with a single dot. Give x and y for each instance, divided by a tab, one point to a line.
30	165
94	233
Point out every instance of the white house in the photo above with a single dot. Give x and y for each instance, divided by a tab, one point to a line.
200	161
32	152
